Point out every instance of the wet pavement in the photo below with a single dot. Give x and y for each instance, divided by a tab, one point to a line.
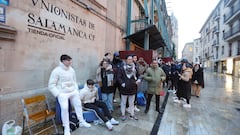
143	126
215	112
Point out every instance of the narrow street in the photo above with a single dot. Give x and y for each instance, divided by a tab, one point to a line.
215	112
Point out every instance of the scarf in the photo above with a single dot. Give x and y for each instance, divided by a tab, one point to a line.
130	70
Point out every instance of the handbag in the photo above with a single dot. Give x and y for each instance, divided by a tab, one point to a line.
162	93
9	128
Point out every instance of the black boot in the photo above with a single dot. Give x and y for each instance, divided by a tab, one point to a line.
157	102
149	97
146	110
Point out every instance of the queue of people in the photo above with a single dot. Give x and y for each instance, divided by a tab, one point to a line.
124	76
190	81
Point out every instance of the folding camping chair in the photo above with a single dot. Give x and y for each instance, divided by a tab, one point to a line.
36	111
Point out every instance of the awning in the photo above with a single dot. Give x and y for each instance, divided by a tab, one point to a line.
155	38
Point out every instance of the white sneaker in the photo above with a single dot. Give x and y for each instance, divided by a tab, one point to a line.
174	97
170	90
114	122
184	100
187	105
177	101
109	125
85	124
136	109
114	101
174	91
128	110
67	131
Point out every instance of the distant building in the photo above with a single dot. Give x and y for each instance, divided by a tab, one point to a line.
174	22
197	53
220	38
188	52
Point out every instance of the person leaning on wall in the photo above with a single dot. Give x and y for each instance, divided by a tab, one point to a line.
63	85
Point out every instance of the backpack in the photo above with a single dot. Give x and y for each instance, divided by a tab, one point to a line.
141	100
73	121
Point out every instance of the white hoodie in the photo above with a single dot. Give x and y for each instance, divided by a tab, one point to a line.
62	80
88	95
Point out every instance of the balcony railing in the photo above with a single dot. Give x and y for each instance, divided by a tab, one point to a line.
216	16
232	13
233	31
214	42
215	29
139	23
226	2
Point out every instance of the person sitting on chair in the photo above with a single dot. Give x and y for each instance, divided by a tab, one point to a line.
89	98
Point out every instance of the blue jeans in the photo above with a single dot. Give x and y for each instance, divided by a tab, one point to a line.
107	98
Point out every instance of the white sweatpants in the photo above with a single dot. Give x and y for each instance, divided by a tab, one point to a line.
130	103
75	101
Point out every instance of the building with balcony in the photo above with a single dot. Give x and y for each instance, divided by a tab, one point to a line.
149	27
232	35
174	24
220	38
197	53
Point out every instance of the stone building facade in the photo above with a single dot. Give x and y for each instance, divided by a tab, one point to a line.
36	32
220	38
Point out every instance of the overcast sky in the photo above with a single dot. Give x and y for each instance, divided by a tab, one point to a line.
191	15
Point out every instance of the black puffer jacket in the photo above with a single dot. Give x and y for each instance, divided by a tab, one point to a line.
130	83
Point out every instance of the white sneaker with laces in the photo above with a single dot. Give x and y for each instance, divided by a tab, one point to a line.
109	125
177	101
136	109
187	105
85	124
114	122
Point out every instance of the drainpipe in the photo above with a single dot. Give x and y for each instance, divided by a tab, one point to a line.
152	12
146	35
129	16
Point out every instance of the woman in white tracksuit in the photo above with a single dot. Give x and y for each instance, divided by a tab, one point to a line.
62	84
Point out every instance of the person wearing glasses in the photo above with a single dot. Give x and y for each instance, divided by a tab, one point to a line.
63	85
